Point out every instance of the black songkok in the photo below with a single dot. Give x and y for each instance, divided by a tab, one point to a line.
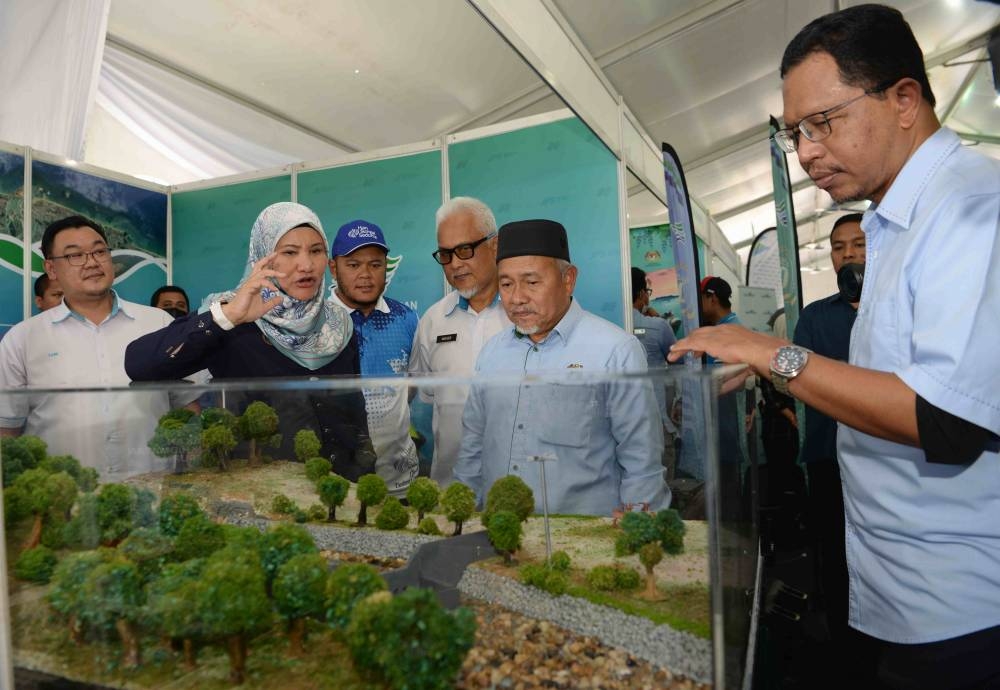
532	238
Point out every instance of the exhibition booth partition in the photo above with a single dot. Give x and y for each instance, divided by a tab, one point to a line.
208	548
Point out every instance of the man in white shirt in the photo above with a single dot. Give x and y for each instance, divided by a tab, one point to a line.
452	332
81	344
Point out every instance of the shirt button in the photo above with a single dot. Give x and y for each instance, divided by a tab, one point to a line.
514	467
520	426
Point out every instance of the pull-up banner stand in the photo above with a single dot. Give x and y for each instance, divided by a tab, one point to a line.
683	240
788	237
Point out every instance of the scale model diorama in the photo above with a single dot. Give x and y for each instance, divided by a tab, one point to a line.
266	573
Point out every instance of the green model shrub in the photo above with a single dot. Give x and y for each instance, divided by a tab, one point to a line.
423	494
511	494
458	503
370	492
348	584
392	516
280	544
307	445
175	509
149	549
283	505
317	468
199	538
36	565
505	533
66	593
332	491
300	593
316	513
428	526
544	577
410	641
560	561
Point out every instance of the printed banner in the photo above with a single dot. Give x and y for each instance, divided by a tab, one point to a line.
788	238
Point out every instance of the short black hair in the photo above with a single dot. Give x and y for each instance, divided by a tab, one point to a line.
41	285
872	45
168	288
848	218
49	236
638	282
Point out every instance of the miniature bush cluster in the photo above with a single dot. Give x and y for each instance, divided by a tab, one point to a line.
612	578
544	577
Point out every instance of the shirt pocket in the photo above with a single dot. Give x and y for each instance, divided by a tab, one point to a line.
566	414
883	336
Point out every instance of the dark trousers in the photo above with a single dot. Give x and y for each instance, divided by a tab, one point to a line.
826	519
969	662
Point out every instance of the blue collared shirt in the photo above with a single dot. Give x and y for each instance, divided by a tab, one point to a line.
605	437
923	540
656	337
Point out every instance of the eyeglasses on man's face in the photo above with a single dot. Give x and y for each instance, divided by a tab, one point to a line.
816	127
462	251
80	258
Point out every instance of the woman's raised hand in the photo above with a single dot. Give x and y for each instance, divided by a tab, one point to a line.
256	295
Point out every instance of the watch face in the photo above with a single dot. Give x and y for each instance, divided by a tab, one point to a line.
788	360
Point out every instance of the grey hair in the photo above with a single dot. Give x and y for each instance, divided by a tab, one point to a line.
563	266
485	222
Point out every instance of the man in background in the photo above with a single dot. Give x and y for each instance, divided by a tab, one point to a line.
48	294
452	332
171	299
385	330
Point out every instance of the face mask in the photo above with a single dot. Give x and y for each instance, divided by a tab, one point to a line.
174	312
850	278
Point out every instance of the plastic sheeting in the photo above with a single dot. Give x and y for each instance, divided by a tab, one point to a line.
52	53
203	132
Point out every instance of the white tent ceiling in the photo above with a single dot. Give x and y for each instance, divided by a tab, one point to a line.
356	75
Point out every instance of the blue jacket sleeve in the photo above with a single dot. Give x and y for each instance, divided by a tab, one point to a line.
180	349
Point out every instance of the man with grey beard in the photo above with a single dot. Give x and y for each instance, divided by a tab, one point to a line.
454	329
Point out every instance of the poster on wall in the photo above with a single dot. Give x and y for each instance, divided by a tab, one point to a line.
653	252
788	238
134	220
11	239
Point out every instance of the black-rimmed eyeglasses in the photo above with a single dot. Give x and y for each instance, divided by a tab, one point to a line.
80	258
816	127
462	251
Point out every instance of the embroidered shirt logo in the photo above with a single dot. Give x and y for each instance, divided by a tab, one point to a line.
574	366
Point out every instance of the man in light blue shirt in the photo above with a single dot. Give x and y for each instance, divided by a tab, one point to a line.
918	405
603	438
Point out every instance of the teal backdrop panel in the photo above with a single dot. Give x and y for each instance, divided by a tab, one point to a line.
11	239
562	172
400	195
211	232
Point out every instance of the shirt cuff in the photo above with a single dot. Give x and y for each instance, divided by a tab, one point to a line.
220	317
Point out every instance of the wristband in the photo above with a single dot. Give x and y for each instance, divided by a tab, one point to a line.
220	317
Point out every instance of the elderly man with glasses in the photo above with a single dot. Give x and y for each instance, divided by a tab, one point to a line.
452	332
80	343
919	436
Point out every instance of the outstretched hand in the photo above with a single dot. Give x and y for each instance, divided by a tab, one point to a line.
249	304
730	344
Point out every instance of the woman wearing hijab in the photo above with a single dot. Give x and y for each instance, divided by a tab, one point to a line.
277	323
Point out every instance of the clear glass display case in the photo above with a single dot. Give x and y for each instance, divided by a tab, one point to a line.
285	533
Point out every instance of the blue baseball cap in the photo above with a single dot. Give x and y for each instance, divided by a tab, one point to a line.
355	235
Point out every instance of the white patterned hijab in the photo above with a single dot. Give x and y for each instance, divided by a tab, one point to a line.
311	332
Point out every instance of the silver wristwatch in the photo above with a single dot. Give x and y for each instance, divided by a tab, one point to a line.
787	362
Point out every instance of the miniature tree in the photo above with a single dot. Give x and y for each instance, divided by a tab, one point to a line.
409	640
283	505
393	515
85	477
423	494
66	595
259	424
19	454
232	604
317	468
371	491
175	509
217	442
177	434
348	584
307	444
428	526
42	496
83	531
665	530
300	593
244	539
459	503
280	544
512	494
172	605
544	577
199	538
332	491
218	416
505	533
149	549
35	565
116	504
113	598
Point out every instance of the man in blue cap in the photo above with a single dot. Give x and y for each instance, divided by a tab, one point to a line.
385	330
602	440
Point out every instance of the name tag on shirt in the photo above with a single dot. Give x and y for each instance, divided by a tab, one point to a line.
639	331
447	338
